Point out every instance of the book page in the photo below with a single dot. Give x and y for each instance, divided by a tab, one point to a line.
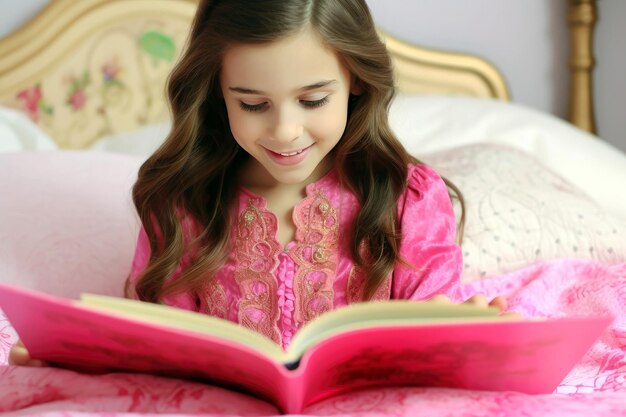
185	320
395	312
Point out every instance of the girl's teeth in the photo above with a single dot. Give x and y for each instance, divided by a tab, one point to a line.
290	154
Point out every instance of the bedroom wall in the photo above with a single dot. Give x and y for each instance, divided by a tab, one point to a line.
527	40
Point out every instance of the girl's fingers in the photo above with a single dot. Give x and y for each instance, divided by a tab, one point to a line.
440	298
478	300
19	356
499	302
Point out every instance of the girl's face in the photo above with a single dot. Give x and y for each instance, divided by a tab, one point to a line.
287	104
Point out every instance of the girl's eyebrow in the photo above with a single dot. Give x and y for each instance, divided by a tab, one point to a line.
314	86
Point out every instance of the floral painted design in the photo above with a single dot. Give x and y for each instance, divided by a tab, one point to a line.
95	93
110	72
33	102
77	97
158	45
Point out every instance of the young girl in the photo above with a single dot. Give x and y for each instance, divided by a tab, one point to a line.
281	192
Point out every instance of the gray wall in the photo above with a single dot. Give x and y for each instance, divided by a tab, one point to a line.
527	40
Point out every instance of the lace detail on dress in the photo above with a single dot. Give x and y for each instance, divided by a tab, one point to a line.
316	255
256	252
356	287
214	300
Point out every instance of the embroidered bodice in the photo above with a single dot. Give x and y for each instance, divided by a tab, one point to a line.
274	290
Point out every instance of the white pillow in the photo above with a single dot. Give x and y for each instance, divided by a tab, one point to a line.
19	133
140	142
67	221
520	212
430	123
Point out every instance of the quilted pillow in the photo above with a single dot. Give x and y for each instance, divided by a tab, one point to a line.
520	212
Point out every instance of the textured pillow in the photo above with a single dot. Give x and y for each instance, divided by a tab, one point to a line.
67	223
520	212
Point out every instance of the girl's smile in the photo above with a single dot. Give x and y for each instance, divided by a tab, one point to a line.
290	157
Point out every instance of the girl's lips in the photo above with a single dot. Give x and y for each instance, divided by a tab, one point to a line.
289	158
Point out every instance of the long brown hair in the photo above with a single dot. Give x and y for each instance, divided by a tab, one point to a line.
192	175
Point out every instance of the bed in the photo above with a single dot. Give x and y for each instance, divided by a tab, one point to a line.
82	105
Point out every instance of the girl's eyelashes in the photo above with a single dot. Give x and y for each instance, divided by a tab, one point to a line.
310	104
314	103
252	107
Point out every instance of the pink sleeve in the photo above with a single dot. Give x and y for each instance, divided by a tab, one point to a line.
141	260
428	227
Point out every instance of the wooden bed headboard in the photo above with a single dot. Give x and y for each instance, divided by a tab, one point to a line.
90	68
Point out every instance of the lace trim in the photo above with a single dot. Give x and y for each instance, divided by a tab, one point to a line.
256	252
356	287
215	300
316	255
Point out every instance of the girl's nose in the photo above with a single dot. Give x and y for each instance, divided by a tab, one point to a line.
287	127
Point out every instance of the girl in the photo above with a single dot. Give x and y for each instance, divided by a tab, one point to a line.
281	192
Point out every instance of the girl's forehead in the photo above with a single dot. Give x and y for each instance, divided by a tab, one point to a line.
289	63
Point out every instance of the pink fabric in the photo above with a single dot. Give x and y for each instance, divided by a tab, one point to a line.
596	386
275	291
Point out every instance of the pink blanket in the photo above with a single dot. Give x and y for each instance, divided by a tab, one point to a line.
595	387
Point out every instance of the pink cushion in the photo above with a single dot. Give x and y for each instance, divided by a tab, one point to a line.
67	223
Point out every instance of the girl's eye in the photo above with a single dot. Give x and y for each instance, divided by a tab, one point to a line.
314	103
252	107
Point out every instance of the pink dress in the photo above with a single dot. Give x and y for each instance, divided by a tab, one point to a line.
274	290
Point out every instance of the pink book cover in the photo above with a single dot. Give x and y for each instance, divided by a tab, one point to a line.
529	356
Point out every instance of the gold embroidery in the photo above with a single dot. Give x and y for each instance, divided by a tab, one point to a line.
216	303
249	216
356	287
316	255
256	253
319	255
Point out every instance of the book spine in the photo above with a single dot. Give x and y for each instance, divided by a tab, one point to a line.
293	392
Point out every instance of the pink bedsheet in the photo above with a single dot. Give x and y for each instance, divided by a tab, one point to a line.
595	387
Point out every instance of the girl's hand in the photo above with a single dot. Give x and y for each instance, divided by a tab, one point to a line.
480	300
19	356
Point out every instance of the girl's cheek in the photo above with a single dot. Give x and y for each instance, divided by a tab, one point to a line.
243	127
330	123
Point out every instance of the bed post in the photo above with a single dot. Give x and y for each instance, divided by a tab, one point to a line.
581	18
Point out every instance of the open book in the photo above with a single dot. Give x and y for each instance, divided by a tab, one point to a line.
367	344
